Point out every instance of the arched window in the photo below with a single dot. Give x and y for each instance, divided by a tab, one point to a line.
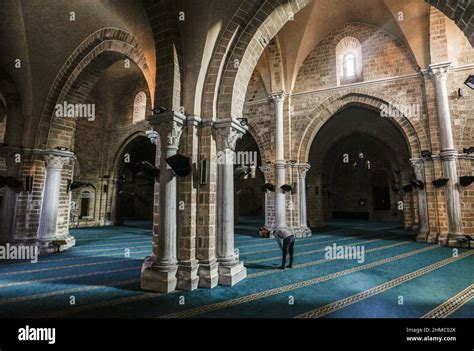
139	107
349	65
349	61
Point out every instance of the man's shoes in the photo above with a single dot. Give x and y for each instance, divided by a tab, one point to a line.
290	266
281	267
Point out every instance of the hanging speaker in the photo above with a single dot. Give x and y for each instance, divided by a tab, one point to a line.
466	180
270	187
180	164
286	188
407	188
440	182
203	171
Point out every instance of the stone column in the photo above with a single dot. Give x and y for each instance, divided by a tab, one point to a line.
448	153
280	164
267	169
8	208
231	270
423	226
47	231
113	189
303	170
188	265
159	270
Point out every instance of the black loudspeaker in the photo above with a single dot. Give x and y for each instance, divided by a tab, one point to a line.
466	180
180	164
440	182
407	188
417	183
286	188
270	187
203	172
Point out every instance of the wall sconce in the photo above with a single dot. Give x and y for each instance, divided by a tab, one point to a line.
470	81
62	148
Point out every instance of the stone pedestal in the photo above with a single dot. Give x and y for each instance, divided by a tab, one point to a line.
231	270
187	275
159	271
48	238
208	273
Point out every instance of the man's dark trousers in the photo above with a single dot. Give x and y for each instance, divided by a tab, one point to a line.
288	246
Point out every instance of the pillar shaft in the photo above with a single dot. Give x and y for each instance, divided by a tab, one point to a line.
303	170
280	164
159	270
231	270
423	227
47	231
448	152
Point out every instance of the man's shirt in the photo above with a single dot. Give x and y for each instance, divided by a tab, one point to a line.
280	235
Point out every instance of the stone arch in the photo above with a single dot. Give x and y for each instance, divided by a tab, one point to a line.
236	55
80	73
460	11
413	133
115	164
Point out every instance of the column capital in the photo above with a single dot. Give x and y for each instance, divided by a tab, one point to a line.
56	159
278	97
228	131
303	168
439	71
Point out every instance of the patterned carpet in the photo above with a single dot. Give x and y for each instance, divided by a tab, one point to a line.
398	278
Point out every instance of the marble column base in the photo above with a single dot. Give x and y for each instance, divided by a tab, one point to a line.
47	245
432	238
303	232
422	237
231	274
208	274
158	278
187	275
462	242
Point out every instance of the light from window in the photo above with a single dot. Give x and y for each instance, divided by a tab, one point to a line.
349	65
139	107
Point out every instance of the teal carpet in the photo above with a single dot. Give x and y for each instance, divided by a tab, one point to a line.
100	278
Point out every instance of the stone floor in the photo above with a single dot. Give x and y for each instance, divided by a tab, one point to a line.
398	278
